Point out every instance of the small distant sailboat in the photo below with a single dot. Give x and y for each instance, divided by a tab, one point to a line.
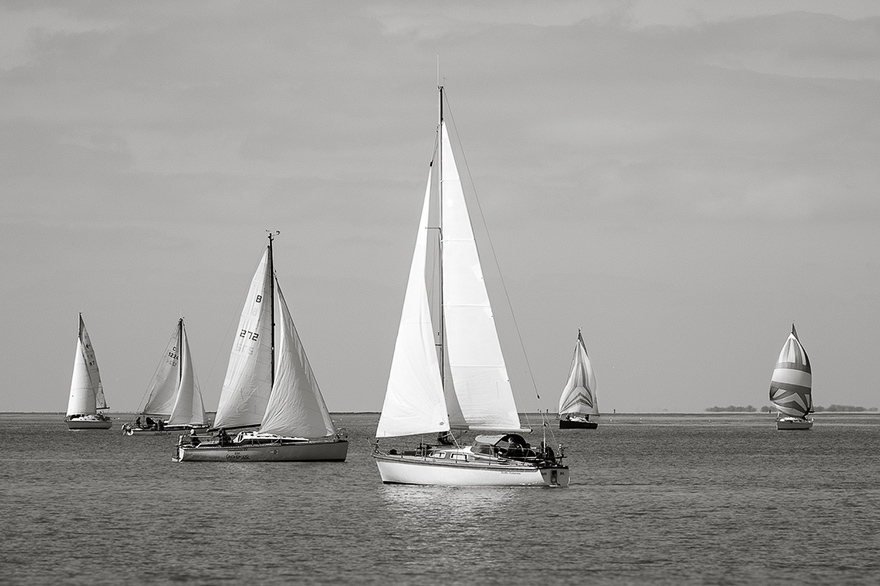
86	391
578	400
174	396
276	393
791	386
421	398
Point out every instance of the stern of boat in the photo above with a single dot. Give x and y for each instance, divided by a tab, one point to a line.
557	476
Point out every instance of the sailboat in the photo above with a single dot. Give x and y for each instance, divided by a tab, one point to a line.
267	387
578	400
174	396
86	391
459	382
790	386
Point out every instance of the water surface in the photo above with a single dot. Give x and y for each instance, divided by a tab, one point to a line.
654	499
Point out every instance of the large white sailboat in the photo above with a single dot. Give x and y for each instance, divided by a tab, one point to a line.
174	396
86	391
275	392
791	386
578	399
458	382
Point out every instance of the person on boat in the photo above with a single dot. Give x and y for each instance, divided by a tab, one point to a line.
223	437
150	423
514	450
137	422
193	438
547	453
160	424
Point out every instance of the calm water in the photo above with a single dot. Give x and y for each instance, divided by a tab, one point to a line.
653	500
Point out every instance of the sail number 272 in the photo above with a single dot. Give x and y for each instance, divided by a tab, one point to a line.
248	335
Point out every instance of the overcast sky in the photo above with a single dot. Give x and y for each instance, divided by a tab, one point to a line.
681	180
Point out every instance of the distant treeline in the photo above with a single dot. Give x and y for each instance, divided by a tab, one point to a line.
766	409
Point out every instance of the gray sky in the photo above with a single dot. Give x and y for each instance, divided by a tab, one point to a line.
681	180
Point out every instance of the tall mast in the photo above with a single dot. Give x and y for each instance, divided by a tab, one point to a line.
179	352
440	200
272	308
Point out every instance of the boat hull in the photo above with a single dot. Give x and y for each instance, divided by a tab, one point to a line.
570	424
167	430
316	451
793	423
427	471
76	424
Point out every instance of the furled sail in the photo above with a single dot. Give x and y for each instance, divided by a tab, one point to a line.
86	390
248	382
579	395
790	386
296	407
414	401
483	396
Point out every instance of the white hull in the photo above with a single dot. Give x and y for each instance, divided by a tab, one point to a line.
305	451
128	429
90	423
793	423
425	470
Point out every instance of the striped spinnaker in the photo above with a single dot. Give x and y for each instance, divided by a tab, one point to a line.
790	386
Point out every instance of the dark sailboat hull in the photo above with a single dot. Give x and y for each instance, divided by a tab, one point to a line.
570	424
311	451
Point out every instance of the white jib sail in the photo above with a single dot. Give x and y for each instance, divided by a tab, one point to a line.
164	386
188	408
296	407
248	382
791	383
414	401
579	394
479	374
86	391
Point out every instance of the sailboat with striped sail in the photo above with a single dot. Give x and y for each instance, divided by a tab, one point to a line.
578	399
269	393
791	386
175	399
459	382
86	399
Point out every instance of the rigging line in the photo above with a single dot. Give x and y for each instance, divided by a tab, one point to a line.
448	113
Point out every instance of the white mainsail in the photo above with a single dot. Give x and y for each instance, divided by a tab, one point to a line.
483	396
296	407
163	388
248	382
414	401
579	394
173	392
188	409
791	383
86	390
